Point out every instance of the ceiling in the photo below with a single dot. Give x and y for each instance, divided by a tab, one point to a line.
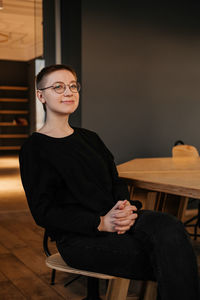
21	32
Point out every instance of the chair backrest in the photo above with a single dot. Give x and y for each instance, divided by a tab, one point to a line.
179	151
45	244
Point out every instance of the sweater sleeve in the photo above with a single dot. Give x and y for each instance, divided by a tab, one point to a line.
41	183
120	187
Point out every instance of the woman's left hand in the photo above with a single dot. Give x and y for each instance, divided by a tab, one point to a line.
123	216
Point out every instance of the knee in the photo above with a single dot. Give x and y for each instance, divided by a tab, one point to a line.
163	226
170	230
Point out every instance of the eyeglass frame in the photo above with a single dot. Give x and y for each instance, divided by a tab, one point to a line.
65	85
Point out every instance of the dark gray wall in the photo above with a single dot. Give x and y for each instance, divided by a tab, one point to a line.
70	23
140	76
49	31
32	104
71	44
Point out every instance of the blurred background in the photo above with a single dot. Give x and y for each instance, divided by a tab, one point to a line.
139	66
138	63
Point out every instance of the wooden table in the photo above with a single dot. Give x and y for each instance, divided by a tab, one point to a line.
161	178
163	184
179	176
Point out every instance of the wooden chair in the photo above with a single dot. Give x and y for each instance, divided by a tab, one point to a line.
188	151
55	262
117	287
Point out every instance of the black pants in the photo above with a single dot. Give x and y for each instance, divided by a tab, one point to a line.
156	248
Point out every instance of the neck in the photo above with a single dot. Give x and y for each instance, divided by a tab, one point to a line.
57	125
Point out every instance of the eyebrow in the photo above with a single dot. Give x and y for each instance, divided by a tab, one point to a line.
63	82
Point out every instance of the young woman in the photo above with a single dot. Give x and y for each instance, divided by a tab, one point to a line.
74	191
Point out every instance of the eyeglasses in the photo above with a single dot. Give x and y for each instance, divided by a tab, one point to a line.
60	87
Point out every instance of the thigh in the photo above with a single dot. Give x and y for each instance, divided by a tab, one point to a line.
118	255
156	226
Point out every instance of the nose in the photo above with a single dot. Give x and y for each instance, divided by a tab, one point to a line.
67	91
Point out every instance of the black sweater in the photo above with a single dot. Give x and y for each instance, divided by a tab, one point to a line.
69	182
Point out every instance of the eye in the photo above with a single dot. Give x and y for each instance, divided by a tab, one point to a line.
58	87
73	86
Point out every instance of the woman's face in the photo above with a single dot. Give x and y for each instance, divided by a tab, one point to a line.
65	103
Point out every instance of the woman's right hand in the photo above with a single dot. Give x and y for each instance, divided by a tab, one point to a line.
119	219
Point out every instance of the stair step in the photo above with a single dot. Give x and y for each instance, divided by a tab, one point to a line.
13	100
10	147
14	112
11	124
16	88
7	136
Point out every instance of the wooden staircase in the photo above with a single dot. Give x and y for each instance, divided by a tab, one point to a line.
14	118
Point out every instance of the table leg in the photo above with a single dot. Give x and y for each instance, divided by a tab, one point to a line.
117	289
150	291
182	207
173	204
151	200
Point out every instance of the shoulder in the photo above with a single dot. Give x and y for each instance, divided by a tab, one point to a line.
86	133
30	146
94	139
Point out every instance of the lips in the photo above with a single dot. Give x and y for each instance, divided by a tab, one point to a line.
68	101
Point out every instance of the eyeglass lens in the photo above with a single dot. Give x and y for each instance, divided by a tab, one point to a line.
60	87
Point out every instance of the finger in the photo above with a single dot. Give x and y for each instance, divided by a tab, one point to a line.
121	232
122	228
130	218
123	214
130	207
122	205
119	204
127	208
124	222
127	203
133	222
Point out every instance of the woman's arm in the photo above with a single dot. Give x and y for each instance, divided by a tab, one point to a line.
41	183
120	187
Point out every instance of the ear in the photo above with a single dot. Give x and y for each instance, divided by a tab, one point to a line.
40	96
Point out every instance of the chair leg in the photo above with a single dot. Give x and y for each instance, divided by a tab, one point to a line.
197	224
92	289
195	232
117	289
150	291
53	275
69	282
198	216
189	221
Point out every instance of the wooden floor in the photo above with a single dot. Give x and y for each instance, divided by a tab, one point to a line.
23	274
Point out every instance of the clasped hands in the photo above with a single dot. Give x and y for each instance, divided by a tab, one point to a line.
120	218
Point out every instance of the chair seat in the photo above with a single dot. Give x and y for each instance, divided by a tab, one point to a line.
56	262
